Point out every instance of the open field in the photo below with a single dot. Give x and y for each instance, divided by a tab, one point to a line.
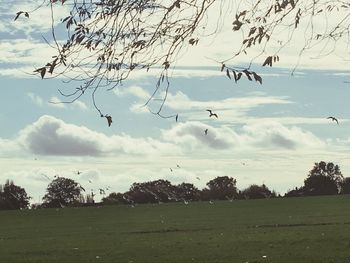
313	229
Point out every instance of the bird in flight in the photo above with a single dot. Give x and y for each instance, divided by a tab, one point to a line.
176	117
211	114
171	169
333	119
178	166
206	131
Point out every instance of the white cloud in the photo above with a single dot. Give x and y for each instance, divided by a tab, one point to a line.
51	136
275	135
191	135
265	136
227	109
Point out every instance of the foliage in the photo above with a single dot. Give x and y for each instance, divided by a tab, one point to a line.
13	196
62	192
296	192
187	192
152	192
323	179
114	199
220	188
106	41
257	192
345	186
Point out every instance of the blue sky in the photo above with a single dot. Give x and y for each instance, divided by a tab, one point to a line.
270	133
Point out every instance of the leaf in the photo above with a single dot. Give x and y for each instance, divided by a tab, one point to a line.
234	75
222	67
257	77
18	14
42	71
239	75
247	73
228	73
268	61
109	120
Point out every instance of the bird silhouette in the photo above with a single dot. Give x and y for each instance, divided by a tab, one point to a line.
211	114
206	131
178	166
333	119
102	192
176	117
171	169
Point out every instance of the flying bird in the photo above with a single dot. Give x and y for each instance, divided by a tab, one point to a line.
178	166
333	119
176	117
102	192
211	114
171	169
206	131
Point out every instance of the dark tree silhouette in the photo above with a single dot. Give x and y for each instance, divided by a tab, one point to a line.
114	199
345	186
13	196
296	192
107	41
152	192
62	192
257	192
323	179
220	188
187	192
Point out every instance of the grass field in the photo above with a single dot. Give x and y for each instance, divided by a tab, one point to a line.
313	229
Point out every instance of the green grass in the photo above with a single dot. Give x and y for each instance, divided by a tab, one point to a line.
314	229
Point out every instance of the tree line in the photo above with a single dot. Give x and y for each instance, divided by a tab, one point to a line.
323	179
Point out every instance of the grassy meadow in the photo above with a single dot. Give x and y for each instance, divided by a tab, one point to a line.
307	229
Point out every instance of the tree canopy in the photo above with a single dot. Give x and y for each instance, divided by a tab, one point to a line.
106	41
13	196
62	192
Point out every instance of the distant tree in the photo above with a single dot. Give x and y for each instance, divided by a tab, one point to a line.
296	192
323	179
220	188
345	186
62	192
13	196
257	192
187	192
152	192
114	199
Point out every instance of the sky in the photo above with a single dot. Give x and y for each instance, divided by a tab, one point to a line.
271	133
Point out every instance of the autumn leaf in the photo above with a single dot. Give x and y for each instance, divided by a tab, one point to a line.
109	120
18	14
42	71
